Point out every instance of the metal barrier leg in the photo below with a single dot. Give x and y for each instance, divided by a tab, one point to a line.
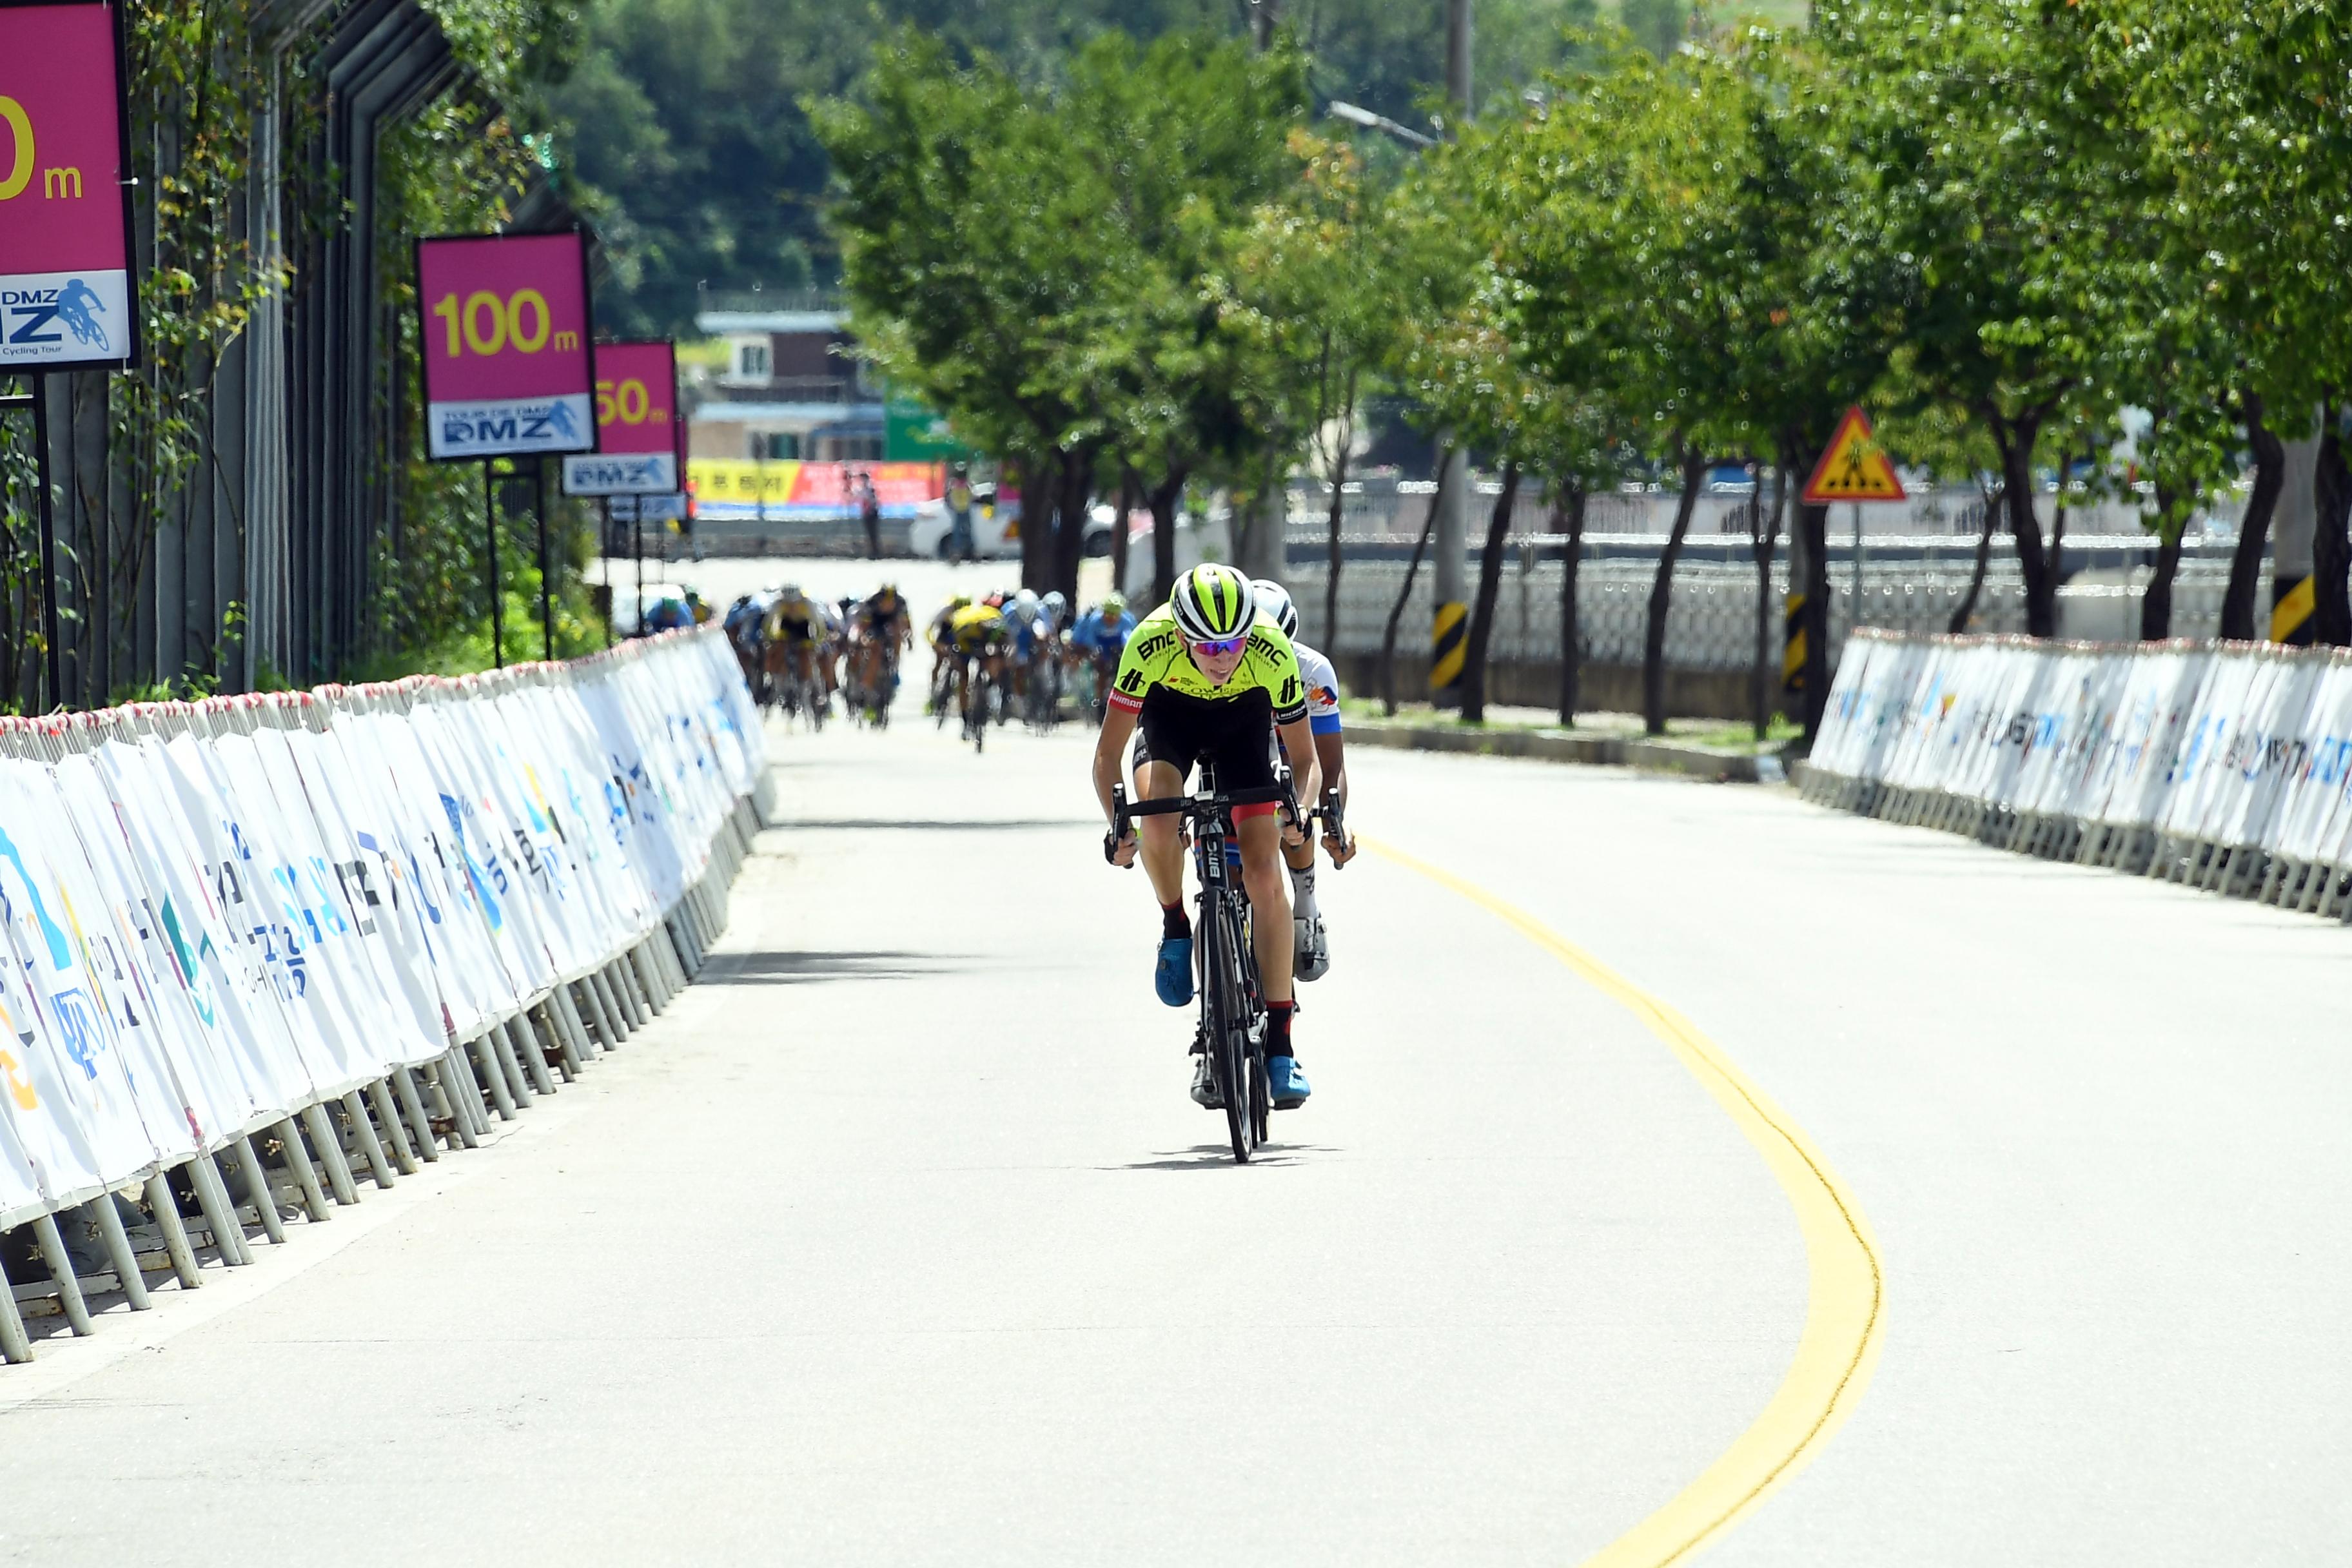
220	1214
556	1035
109	1220
175	1235
459	1100
526	1050
567	1015
331	1150
363	1134
494	1075
518	1084
632	974
681	941
53	1252
608	1033
652	986
15	1347
411	1106
256	1187
306	1174
622	997
391	1131
658	959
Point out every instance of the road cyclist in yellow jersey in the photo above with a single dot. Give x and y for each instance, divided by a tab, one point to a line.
1211	683
977	638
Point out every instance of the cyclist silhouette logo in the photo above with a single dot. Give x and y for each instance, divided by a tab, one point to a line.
78	307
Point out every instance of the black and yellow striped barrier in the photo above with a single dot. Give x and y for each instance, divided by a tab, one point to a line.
2292	601
1449	646
1792	633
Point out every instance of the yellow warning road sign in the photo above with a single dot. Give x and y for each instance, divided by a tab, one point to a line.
1852	466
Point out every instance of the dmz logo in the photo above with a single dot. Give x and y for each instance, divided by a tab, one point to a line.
33	316
512	426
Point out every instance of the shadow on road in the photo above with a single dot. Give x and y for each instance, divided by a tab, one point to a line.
1211	1156
842	825
812	968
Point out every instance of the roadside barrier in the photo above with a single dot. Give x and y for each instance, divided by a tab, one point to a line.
2225	766
263	948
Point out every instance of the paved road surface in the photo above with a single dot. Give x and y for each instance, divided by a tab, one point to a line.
898	1242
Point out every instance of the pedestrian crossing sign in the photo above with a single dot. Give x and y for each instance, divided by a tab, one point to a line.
1852	466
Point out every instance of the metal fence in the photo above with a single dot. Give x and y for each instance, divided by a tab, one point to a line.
1711	621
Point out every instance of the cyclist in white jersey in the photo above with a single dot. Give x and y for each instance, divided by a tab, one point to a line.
1314	948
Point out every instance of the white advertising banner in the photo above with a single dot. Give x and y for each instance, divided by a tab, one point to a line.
213	916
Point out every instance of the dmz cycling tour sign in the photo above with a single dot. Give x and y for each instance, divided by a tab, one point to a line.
637	428
65	208
508	371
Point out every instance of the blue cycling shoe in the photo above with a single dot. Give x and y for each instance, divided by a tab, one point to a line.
1173	978
1284	1084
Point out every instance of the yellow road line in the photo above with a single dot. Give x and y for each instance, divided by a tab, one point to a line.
1845	1312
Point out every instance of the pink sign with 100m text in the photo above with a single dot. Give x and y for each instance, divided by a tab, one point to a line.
506	365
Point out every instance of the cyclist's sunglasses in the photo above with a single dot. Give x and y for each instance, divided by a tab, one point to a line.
1222	647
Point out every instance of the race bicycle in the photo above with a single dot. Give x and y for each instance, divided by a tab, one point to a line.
1232	1031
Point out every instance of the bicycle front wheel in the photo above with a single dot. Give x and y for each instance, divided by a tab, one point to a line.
1227	1013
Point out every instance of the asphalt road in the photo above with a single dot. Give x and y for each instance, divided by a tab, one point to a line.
898	1242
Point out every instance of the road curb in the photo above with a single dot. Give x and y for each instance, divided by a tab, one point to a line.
1567	746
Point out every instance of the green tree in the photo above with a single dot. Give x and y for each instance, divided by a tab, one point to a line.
1997	194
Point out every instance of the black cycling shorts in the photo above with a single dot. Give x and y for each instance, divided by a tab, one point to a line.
1236	734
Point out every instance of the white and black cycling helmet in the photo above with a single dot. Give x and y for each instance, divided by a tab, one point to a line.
1274	604
1212	602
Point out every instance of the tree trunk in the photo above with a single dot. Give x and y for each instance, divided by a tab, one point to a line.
1162	501
1490	582
1661	592
1571	653
2255	529
1118	539
1404	595
1071	499
2156	604
2331	549
2015	439
1966	610
1766	544
1038	484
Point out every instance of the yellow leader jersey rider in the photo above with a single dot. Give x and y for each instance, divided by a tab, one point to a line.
1208	680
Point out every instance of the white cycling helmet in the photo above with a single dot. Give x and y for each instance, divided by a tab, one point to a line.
1212	602
1274	604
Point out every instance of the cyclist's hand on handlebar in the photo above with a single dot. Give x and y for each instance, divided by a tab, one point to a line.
1119	851
1340	851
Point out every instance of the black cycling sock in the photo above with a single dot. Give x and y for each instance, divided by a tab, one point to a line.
1174	921
1278	1027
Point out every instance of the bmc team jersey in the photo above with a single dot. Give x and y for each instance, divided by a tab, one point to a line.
1156	655
1322	691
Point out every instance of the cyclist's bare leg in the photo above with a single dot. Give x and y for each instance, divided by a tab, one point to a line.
1163	847
1269	896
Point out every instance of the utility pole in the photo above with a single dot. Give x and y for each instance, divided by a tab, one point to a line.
1449	631
1265	16
1265	542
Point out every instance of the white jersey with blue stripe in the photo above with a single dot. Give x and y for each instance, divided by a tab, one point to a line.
1322	691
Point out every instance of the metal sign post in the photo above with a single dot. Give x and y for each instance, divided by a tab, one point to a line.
546	611
490	534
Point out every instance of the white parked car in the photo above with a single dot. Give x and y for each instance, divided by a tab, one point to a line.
995	528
